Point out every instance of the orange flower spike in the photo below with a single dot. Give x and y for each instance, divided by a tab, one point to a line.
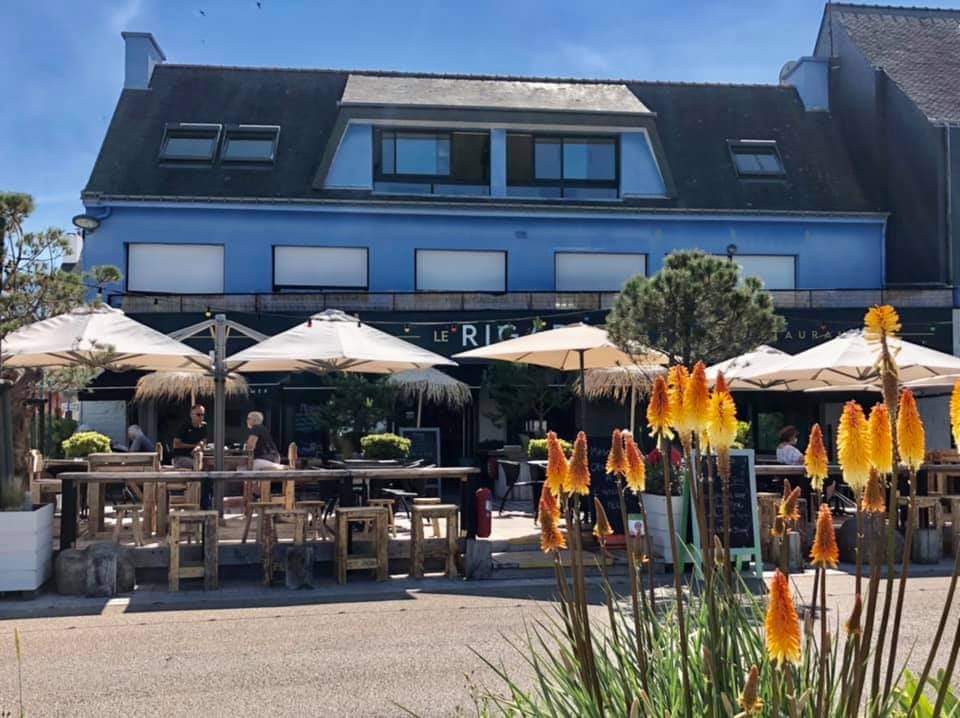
825	552
749	699
720	385
696	399
874	501
853	446
788	505
881	322
677	379
557	465
551	538
910	434
602	527
815	458
578	477
782	623
636	468
616	459
721	420
881	439
658	410
955	412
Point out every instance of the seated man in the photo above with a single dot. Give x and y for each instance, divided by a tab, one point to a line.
265	453
189	437
138	440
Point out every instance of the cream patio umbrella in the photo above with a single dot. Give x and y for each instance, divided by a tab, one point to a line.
431	385
733	368
334	341
576	347
622	383
180	385
850	359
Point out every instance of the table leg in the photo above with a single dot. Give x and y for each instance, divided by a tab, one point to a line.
163	508
149	506
346	492
68	513
95	522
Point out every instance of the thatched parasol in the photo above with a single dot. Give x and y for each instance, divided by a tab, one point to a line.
432	385
622	383
180	385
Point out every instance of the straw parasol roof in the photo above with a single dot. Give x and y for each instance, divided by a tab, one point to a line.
621	382
180	385
432	386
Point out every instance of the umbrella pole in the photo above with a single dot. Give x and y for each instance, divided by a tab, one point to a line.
419	406
583	392
219	394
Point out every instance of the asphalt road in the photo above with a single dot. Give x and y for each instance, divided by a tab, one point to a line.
364	652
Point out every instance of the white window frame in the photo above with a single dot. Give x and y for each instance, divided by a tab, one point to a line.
135	284
738	258
460	255
558	255
320	249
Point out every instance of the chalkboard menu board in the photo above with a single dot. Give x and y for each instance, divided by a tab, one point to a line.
604	487
424	444
743	501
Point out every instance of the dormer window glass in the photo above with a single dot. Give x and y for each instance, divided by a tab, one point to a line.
757	158
432	162
190	142
554	166
250	144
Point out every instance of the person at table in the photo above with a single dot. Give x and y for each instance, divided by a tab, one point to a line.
787	451
266	457
190	436
138	440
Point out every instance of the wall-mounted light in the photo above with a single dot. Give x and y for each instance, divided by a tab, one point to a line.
86	222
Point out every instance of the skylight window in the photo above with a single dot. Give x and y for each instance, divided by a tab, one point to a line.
190	142
757	159
250	143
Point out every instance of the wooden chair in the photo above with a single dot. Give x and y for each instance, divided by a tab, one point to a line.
133	511
40	486
434	521
315	512
434	512
122	463
209	569
388	504
346	560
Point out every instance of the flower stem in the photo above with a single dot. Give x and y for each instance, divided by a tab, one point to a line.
678	589
907	546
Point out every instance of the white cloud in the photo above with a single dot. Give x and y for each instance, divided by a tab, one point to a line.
126	13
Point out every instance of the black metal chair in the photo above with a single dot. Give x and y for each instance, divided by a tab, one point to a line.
511	470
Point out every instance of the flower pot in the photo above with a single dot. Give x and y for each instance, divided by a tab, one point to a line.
659	537
26	548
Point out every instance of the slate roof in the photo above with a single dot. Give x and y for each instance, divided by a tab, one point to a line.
694	122
919	48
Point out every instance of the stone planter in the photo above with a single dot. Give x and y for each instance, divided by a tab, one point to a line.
659	537
26	548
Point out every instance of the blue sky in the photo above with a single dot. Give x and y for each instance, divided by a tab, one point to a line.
61	63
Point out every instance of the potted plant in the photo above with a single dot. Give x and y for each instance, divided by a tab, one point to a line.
380	447
86	443
655	501
26	539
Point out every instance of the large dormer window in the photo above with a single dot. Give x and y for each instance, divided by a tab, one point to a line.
431	162
577	167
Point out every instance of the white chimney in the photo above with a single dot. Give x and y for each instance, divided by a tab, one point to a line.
142	55
811	77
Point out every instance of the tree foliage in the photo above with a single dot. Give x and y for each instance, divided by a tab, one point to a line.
522	392
695	308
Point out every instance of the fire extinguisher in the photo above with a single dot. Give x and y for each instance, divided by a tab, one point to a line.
484	504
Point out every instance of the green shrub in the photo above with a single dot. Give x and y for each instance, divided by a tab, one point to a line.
385	446
13	497
84	443
537	448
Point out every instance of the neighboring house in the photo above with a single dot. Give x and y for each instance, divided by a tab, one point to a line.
453	210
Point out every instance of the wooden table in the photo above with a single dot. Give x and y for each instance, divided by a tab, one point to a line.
345	477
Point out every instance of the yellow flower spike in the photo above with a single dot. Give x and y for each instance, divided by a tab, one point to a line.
557	465
636	468
601	527
852	624
815	458
853	446
955	412
788	504
551	538
779	527
721	420
658	410
578	477
881	439
749	699
696	399
616	459
720	385
677	379
782	623
910	435
825	552
873	496
881	321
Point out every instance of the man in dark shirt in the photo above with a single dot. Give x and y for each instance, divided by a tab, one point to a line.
190	436
265	453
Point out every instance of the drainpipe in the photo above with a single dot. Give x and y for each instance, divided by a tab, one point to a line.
948	204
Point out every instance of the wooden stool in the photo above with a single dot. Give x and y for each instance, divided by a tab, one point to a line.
315	523
346	561
208	570
120	511
429	501
259	507
388	503
269	535
434	512
189	530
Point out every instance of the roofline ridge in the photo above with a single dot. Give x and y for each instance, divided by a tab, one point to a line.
909	8
465	76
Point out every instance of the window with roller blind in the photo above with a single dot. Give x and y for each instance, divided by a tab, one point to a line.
441	270
597	271
296	267
175	268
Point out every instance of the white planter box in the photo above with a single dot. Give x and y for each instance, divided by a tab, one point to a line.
26	548
656	507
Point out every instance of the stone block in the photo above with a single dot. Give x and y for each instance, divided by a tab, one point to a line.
298	567
927	546
874	536
100	569
478	560
70	572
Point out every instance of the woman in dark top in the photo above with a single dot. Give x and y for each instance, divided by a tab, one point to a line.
265	453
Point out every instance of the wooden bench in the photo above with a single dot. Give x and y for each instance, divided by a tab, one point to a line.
418	544
208	570
347	561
